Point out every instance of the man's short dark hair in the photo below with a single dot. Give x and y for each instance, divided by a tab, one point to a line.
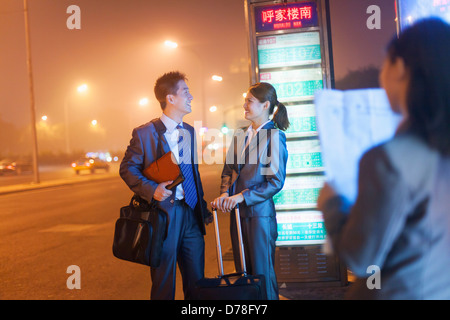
167	84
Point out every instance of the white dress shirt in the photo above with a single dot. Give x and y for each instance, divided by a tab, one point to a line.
171	136
251	133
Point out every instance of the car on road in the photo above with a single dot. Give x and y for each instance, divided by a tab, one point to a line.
18	166
91	164
6	167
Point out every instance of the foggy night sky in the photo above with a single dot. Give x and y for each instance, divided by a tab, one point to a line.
119	53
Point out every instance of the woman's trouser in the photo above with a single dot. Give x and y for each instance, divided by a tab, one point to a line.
259	235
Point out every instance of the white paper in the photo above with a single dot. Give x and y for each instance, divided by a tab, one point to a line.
350	123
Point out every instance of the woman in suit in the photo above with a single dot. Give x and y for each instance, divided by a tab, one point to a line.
254	171
400	222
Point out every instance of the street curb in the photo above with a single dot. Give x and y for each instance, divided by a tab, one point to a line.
53	183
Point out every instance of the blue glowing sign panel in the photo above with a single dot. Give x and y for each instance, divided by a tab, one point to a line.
409	11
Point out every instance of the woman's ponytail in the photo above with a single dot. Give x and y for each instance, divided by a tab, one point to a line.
280	118
264	91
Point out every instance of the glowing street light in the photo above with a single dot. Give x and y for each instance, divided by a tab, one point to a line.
171	44
44	118
82	88
217	78
143	102
213	109
94	122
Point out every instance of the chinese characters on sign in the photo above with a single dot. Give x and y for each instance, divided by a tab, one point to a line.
290	14
296	15
301	227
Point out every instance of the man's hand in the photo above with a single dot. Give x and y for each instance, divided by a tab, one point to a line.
161	193
209	218
326	193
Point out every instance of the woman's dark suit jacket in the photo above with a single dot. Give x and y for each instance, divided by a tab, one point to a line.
399	223
260	173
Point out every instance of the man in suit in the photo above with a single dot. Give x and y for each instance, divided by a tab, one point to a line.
184	204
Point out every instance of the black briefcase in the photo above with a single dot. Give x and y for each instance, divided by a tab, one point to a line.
235	286
140	232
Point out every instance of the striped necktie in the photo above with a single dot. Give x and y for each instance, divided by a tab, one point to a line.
184	153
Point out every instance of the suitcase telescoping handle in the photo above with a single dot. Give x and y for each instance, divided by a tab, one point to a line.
241	242
219	247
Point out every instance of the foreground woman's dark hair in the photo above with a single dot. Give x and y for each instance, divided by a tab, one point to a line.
425	49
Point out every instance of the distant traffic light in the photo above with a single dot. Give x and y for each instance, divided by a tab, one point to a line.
224	129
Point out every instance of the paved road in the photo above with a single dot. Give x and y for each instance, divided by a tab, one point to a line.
69	220
44	231
48	173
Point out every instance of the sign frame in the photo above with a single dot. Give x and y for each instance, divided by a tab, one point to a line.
325	38
316	268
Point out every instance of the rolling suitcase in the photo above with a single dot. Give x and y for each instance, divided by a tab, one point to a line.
235	286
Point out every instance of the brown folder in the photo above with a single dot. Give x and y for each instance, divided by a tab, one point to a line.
165	169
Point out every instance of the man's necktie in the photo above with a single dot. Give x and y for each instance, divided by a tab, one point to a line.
184	153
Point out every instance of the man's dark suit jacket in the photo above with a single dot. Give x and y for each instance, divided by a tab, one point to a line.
142	151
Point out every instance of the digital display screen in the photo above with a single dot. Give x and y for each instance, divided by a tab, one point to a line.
299	192
295	85
304	156
287	50
286	16
409	11
302	120
293	63
300	228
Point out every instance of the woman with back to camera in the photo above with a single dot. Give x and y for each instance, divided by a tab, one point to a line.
400	221
254	171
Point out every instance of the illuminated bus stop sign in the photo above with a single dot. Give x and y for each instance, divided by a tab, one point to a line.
410	11
286	16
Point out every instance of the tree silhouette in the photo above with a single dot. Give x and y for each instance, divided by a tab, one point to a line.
366	77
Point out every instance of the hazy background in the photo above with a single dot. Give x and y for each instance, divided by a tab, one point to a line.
119	53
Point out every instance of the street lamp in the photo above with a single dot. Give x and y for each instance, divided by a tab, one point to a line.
143	102
83	88
32	98
170	44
